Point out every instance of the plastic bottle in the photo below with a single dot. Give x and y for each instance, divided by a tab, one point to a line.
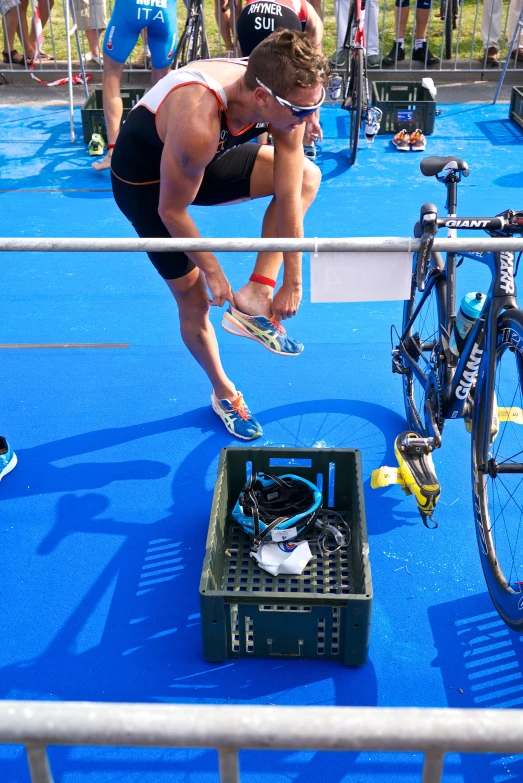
334	88
469	312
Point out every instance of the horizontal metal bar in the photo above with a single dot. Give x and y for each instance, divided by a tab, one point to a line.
316	244
261	727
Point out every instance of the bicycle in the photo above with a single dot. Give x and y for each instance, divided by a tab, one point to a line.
449	10
193	44
482	383
356	97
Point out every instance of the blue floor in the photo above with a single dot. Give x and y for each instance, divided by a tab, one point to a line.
118	450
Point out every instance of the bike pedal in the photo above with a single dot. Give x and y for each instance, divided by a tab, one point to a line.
514	415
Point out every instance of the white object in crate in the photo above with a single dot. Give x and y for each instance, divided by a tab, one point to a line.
285	557
360	277
429	85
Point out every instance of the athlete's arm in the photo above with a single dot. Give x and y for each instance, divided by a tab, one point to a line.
288	180
314	31
191	133
314	27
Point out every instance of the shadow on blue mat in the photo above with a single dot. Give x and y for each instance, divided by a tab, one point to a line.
481	663
501	133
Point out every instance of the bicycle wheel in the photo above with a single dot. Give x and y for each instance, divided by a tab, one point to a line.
181	55
498	497
419	339
355	102
199	49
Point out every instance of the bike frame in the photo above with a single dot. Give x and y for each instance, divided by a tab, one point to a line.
481	343
355	35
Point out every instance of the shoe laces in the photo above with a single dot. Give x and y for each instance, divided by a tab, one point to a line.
240	407
277	325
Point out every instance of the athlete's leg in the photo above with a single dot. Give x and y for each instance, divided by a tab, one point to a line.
197	331
256	298
223	14
186	282
113	105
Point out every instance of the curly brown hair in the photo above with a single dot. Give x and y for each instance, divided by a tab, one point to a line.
286	59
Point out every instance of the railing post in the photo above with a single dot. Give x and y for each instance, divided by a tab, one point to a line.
229	767
433	766
39	768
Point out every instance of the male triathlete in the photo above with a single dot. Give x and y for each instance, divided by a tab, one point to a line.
129	17
185	143
260	18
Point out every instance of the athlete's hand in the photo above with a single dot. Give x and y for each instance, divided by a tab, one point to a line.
219	287
313	131
286	301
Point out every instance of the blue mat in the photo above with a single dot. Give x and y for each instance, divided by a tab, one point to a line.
104	520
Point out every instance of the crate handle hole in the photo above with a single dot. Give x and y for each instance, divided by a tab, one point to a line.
214	622
355	625
284	462
332	477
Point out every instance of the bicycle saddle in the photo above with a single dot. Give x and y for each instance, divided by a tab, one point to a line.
433	165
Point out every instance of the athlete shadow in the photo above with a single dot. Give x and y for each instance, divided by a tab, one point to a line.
509	180
36	474
481	663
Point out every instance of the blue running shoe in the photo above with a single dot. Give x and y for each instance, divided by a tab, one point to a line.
267	331
8	458
237	418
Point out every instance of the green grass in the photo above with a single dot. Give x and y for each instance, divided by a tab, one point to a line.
467	32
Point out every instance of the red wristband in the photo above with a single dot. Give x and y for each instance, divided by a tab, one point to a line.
109	147
263	280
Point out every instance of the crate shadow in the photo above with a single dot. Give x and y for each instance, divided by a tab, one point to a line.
481	663
501	133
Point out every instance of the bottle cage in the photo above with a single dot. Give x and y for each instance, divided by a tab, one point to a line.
270	503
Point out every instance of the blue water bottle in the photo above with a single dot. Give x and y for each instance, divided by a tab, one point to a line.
469	312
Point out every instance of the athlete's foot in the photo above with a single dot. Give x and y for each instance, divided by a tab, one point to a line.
237	417
254	299
267	331
103	165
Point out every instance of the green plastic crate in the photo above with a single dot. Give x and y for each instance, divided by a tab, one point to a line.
93	111
325	612
516	105
406	105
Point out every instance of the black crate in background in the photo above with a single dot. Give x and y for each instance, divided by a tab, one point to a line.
93	111
516	105
405	105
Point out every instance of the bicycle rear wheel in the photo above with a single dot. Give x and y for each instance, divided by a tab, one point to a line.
498	497
354	102
181	56
422	315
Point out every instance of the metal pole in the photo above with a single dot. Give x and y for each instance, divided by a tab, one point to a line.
38	764
229	767
69	68
313	245
517	31
433	767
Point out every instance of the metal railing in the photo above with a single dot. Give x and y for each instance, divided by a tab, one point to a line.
230	728
217	244
475	28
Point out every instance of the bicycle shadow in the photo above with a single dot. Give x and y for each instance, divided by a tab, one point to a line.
481	663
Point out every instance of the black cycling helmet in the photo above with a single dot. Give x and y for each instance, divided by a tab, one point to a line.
268	503
259	19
